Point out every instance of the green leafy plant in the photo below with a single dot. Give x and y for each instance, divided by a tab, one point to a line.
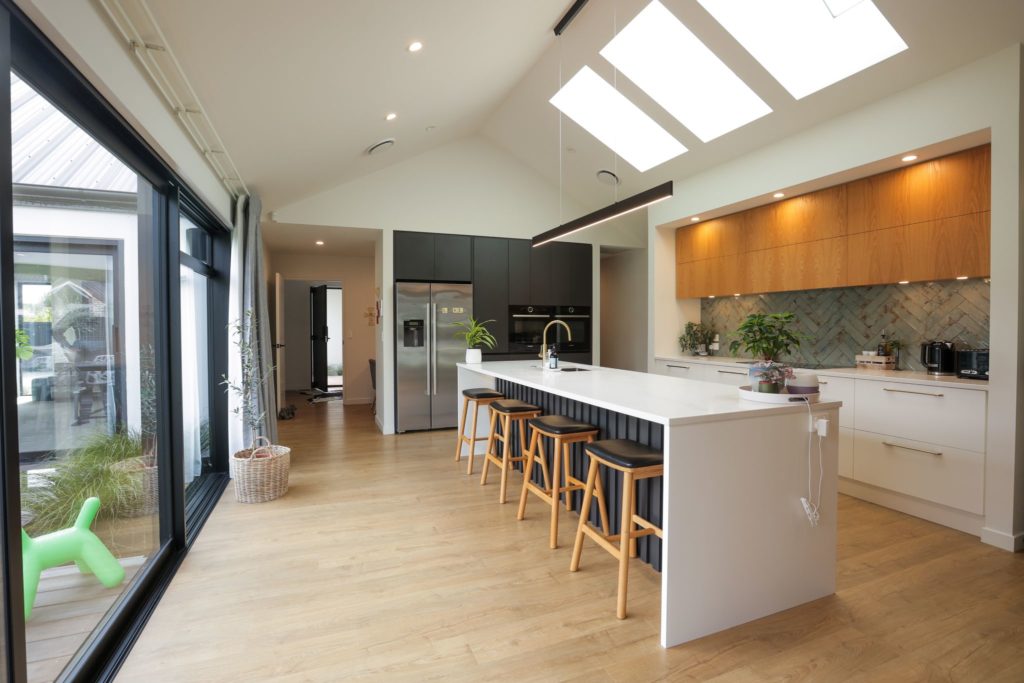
696	335
252	378
766	336
475	333
23	345
108	466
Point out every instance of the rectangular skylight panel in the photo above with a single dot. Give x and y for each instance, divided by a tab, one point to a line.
668	62
602	111
802	44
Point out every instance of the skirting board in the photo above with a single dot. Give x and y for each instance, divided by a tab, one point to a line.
933	512
1000	539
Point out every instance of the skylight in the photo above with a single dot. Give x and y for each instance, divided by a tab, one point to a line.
666	60
602	111
802	44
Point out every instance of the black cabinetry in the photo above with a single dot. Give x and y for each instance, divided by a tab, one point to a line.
429	256
571	274
491	287
519	252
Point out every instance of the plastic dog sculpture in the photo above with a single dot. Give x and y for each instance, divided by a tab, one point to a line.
76	544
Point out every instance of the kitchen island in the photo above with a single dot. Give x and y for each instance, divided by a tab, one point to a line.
737	543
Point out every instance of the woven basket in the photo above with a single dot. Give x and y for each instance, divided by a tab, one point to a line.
261	473
143	467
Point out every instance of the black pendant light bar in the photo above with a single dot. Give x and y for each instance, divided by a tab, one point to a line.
619	208
567	18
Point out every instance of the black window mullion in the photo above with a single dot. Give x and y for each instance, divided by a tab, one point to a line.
172	491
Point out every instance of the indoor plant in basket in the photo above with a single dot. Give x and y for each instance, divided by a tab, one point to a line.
475	334
696	338
766	336
260	472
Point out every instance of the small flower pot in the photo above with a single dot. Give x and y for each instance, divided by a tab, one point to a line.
768	387
474	356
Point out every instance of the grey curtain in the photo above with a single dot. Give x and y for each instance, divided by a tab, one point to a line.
249	293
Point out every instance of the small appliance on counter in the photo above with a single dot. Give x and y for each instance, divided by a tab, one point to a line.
939	357
972	363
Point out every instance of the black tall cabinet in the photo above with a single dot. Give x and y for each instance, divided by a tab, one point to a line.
491	286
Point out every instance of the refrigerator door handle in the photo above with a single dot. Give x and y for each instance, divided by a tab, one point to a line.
433	344
426	340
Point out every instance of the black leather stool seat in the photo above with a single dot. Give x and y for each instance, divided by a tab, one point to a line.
511	405
481	393
626	453
557	424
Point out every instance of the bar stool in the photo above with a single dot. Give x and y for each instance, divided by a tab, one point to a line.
565	432
511	412
478	397
636	462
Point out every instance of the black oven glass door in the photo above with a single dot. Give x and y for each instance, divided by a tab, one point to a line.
578	320
526	327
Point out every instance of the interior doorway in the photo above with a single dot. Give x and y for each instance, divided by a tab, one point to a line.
327	371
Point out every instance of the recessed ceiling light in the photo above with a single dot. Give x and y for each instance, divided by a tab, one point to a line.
391	117
658	53
779	195
319	243
909	157
695	219
602	111
606	177
961	277
415	46
904	282
802	44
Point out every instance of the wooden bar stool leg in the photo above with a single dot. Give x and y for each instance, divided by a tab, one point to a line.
491	438
472	440
528	471
632	540
602	504
462	429
588	493
624	537
556	470
505	455
566	458
544	464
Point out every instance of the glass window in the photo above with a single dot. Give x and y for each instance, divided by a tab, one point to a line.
194	240
195	375
87	383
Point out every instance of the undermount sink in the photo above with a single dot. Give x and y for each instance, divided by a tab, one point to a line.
575	369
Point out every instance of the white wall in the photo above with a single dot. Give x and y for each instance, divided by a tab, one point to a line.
624	310
979	96
468	187
355	275
80	30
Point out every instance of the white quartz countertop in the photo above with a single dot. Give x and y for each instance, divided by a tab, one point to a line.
656	398
904	376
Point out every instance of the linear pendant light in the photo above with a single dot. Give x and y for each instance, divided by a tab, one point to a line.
619	208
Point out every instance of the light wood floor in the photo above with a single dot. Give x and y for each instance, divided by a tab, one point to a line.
385	561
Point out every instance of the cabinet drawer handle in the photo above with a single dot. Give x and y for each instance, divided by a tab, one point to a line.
911	448
820	382
681	367
907	391
731	372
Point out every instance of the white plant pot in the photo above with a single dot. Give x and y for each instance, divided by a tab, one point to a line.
474	356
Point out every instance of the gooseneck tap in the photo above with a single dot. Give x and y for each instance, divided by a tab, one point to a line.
544	342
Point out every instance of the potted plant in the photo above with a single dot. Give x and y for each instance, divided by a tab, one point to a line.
475	334
696	338
260	472
766	337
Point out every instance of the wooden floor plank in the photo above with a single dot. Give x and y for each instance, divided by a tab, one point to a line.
384	561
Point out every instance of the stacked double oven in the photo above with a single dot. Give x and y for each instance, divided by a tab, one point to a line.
526	328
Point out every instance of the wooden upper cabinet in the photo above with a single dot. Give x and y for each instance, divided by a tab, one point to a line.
807	218
710	239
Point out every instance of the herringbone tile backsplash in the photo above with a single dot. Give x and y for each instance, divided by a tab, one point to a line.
843	322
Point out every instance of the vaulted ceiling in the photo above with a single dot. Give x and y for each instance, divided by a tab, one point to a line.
298	90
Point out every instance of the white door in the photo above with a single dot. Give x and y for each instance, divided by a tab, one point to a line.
279	336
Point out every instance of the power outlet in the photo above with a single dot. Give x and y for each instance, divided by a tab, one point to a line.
821	426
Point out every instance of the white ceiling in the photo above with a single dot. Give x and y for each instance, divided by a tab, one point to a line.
297	90
301	239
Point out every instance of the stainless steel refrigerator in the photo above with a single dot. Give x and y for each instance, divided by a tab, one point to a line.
426	352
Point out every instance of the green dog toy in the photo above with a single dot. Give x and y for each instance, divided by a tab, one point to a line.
76	544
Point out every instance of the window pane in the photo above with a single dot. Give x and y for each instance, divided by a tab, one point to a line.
87	386
195	378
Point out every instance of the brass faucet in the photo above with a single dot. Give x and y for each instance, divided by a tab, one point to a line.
544	341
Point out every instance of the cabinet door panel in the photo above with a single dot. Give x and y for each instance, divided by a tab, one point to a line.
490	287
452	258
541	262
414	255
713	238
579	288
519	273
807	218
951	417
846	438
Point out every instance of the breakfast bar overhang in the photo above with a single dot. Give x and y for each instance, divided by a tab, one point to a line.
737	544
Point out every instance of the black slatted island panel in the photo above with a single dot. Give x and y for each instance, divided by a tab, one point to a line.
613	425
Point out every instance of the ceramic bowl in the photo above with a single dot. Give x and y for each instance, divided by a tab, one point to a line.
803	383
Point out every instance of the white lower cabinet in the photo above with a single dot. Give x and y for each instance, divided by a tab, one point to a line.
839	389
846	437
941	474
684	370
727	375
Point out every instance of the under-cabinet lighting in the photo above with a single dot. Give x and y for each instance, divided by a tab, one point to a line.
735	294
961	277
909	157
619	208
695	219
904	282
711	296
662	56
319	243
605	113
802	44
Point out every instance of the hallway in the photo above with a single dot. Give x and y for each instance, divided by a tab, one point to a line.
386	561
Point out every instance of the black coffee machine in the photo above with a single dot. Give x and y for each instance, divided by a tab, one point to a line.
939	357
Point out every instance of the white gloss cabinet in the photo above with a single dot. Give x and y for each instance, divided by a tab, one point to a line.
951	417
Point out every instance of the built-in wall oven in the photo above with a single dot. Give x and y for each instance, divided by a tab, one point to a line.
526	327
578	320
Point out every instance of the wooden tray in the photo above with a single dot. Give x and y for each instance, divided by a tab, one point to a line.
783	397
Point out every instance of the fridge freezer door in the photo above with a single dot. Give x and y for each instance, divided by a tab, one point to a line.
451	303
413	353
